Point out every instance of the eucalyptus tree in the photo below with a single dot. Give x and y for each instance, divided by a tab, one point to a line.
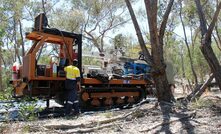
2	25
1	45
119	42
206	41
206	48
67	19
14	16
209	10
191	23
156	58
187	44
157	43
14	38
100	17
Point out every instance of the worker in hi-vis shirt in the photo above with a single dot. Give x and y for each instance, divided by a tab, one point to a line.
72	84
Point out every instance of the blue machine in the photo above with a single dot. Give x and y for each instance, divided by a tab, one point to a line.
131	68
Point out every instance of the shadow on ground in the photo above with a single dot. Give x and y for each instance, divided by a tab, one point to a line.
166	109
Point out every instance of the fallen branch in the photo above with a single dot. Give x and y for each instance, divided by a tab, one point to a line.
211	97
88	130
201	123
198	91
93	123
167	123
63	126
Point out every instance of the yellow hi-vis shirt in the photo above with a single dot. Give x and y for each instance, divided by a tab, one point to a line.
72	72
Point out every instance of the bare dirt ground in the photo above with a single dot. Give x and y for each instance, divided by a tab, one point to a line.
200	117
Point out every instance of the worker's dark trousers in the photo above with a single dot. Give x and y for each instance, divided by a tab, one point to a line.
72	100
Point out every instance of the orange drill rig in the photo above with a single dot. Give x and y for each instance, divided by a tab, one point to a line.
47	81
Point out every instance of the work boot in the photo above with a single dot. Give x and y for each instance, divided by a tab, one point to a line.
76	108
68	109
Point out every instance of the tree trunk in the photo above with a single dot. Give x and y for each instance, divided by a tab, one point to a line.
22	39
163	89
143	47
16	44
206	42
203	87
187	45
218	36
182	62
212	61
1	85
198	91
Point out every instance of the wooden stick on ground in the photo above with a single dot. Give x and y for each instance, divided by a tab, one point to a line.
88	130
198	91
91	124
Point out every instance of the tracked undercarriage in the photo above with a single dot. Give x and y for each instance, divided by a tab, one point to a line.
115	93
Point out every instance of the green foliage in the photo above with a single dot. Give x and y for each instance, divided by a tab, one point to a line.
28	109
200	64
119	41
6	90
101	17
108	114
172	52
216	51
8	60
73	20
128	44
201	103
91	61
6	94
2	32
132	50
189	12
44	59
7	107
26	129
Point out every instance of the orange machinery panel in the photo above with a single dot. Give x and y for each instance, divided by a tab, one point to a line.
114	81
26	66
37	36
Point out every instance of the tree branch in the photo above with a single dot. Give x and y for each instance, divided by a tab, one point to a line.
112	27
201	17
43	6
187	44
147	55
85	25
217	34
212	24
22	39
217	42
204	4
16	41
165	18
98	21
30	13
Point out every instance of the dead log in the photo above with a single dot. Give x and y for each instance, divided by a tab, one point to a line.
212	97
198	91
89	130
93	123
63	126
